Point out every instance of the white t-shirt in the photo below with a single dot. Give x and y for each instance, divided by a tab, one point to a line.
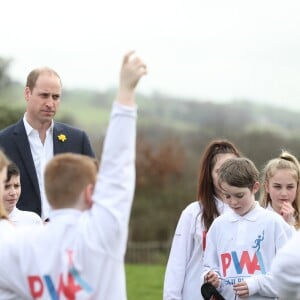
243	247
24	218
183	277
6	229
80	255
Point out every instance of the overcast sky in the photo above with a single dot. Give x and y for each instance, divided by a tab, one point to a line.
213	50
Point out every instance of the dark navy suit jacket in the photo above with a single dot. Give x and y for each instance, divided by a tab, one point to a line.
14	142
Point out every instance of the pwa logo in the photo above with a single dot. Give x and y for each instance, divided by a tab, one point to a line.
252	264
68	285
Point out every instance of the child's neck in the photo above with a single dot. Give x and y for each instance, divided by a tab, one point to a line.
250	208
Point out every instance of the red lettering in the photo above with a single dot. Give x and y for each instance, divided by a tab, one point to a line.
36	286
226	260
246	261
70	290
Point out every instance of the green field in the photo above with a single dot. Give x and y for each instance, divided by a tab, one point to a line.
144	281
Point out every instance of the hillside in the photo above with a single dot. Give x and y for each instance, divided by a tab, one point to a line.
172	134
89	109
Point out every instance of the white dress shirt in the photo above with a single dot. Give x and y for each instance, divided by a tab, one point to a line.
41	154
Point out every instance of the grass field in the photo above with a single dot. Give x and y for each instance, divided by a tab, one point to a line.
144	281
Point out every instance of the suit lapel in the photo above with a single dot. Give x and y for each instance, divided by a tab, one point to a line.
58	145
21	140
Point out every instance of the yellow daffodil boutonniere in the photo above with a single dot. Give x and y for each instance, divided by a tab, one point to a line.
62	137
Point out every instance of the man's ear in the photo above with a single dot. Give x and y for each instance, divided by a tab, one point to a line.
88	193
27	93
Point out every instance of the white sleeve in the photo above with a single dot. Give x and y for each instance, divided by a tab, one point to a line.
178	259
210	260
109	217
11	283
263	284
286	270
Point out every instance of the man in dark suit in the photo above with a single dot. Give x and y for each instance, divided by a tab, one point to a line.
36	138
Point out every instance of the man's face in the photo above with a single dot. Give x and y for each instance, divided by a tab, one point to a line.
11	194
44	99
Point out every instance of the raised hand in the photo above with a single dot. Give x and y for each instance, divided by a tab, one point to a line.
133	68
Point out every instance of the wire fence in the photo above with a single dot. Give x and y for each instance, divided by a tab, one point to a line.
147	252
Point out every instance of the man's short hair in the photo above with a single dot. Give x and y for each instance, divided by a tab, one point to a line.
35	73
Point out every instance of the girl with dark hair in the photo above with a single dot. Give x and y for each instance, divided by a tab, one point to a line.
184	269
11	195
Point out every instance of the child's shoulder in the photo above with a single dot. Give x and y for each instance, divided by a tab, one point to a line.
193	208
269	215
190	214
223	218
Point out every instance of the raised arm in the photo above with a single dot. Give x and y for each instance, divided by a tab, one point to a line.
115	185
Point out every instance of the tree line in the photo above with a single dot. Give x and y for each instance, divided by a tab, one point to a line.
172	134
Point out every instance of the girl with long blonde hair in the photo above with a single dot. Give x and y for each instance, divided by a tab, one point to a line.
280	187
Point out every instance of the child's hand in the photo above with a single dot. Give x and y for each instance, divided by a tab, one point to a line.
241	289
213	278
287	211
133	68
